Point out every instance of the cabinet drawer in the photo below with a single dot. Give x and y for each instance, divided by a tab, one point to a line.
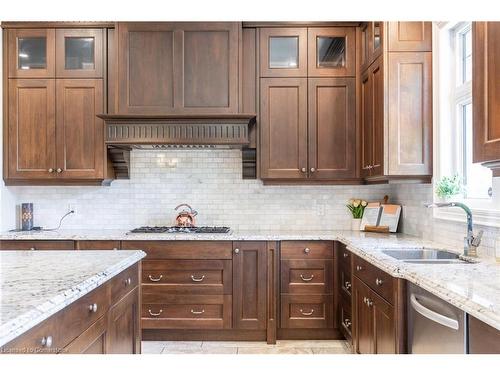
307	250
187	276
98	245
182	249
345	310
307	276
124	283
187	312
381	282
344	256
345	279
36	245
31	342
306	311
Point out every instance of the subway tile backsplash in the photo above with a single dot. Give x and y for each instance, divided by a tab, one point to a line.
210	181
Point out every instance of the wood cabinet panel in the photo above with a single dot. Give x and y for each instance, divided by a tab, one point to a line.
384	326
249	285
336	56
410	113
187	312
124	325
31	129
483	338
307	311
249	74
182	249
98	245
124	283
35	59
376	72
92	341
486	93
36	245
306	250
307	276
413	36
363	319
80	133
378	280
283	52
145	67
366	98
332	128
82	60
283	132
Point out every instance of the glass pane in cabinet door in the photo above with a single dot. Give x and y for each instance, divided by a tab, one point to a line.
283	52
330	51
376	35
32	53
79	53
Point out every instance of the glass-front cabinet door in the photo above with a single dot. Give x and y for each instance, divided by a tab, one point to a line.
79	53
283	52
332	52
31	53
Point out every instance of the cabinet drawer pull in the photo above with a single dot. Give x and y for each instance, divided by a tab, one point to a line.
197	312
155	279
347	285
128	281
347	323
306	313
359	268
307	278
32	248
379	281
46	341
93	307
59	170
307	250
198	280
346	255
155	314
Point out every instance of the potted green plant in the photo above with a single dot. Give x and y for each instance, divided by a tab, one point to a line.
448	188
357	208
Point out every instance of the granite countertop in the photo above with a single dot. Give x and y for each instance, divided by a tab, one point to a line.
34	285
473	287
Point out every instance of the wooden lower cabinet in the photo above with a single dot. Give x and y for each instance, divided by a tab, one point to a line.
374	323
483	338
36	245
112	325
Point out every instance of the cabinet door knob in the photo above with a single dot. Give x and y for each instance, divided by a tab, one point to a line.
128	281
379	281
347	323
347	285
51	170
359	268
313	169
32	248
236	251
303	170
59	170
93	307
46	341
307	250
369	303
346	255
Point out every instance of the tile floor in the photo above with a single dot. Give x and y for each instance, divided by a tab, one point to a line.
247	347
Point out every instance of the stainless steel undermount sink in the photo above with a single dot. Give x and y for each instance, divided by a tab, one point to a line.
425	256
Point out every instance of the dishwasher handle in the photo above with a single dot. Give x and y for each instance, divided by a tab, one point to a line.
432	315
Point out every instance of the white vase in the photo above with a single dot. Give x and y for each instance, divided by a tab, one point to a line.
355	224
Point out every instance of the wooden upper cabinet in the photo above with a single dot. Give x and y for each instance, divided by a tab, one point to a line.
31	53
145	76
283	128
332	128
80	133
31	129
178	67
283	52
371	43
410	113
331	52
486	94
79	53
249	285
409	36
366	117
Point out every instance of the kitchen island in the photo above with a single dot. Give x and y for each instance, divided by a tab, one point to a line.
67	301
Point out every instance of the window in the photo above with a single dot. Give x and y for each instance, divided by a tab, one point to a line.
455	114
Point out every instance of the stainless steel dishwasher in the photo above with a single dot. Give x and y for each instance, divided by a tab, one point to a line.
434	326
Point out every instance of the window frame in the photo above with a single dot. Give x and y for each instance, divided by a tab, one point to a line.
445	112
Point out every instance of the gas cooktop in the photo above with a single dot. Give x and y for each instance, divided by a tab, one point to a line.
181	230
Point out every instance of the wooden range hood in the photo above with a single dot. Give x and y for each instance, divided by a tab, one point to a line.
155	132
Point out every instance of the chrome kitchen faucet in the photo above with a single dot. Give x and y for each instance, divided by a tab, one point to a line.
471	242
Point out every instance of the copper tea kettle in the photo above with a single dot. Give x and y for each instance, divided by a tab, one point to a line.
185	218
